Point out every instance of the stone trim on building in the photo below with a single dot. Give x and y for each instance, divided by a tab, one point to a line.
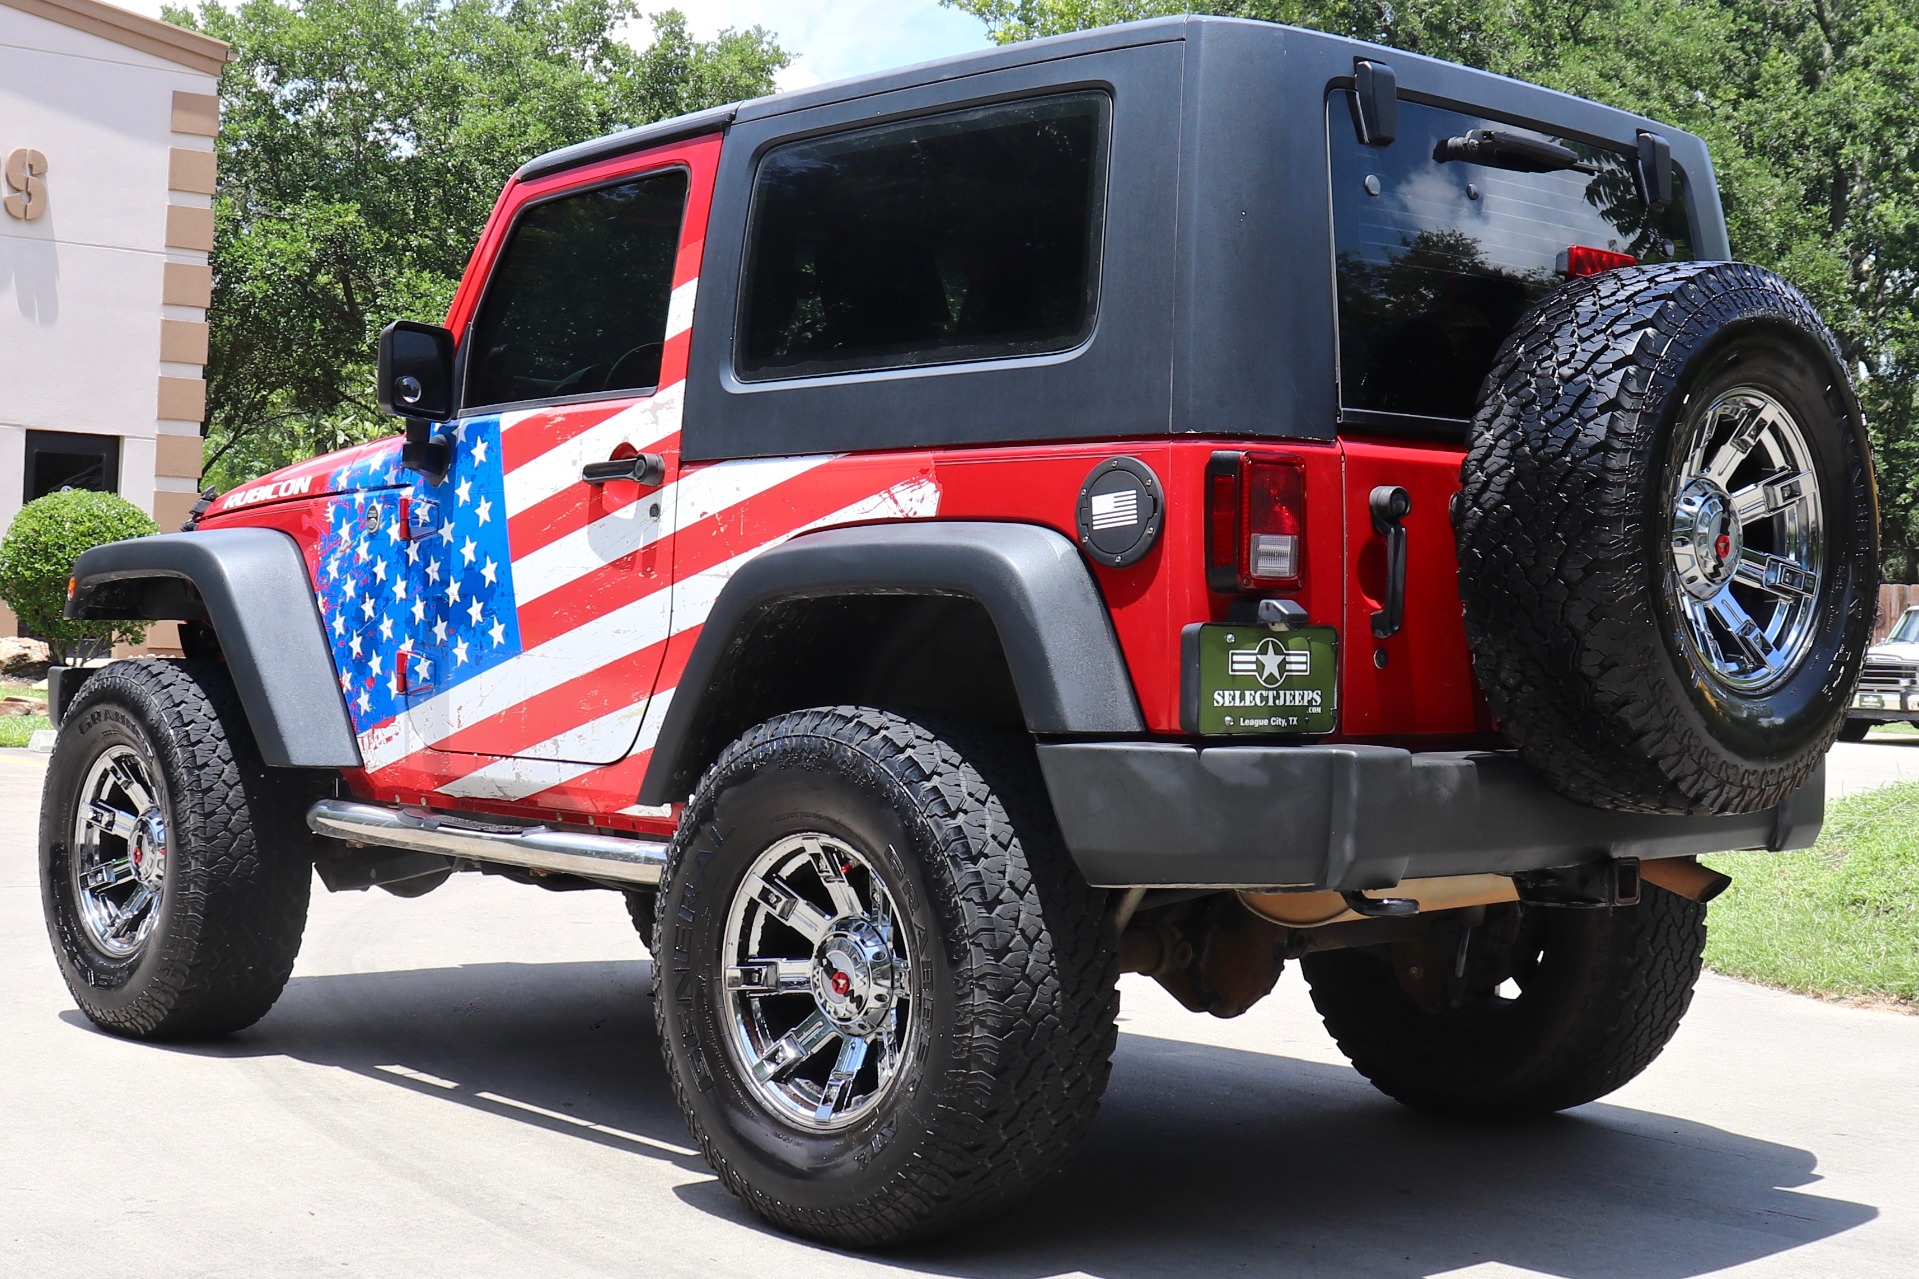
148	35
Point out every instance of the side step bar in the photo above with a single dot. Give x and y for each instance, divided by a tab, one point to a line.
609	857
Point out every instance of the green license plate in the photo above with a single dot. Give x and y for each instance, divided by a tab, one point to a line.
1253	679
1871	701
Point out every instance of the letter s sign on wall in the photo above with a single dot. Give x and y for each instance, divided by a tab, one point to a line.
27	198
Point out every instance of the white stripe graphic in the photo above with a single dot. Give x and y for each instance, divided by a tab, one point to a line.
515	778
679	308
692	498
593	644
642	425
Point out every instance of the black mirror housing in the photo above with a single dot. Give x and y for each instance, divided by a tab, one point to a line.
416	371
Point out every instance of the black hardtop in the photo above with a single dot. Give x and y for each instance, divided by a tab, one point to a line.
1483	91
1215	297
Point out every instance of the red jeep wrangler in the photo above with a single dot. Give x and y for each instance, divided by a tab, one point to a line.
1169	499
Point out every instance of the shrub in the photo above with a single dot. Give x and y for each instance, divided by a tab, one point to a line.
36	559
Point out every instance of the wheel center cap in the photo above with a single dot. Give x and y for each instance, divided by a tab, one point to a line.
852	976
147	847
1706	544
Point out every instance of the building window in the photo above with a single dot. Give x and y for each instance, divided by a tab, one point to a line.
972	235
64	460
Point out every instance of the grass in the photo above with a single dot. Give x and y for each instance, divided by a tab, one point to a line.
16	729
1841	919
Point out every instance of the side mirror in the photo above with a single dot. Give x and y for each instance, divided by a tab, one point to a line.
416	383
416	371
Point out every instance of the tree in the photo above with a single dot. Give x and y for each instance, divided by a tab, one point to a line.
362	145
1810	107
36	561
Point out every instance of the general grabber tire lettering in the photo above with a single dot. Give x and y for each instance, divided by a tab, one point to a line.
1667	535
1600	993
174	865
848	875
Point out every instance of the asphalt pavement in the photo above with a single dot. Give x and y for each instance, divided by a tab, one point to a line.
468	1085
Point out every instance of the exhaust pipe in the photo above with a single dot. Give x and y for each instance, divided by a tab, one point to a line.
614	858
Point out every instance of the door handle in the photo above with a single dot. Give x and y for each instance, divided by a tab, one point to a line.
1390	504
648	469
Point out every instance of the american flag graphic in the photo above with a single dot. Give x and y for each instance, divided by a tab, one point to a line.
415	587
511	636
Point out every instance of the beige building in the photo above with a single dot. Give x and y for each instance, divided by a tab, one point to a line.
107	121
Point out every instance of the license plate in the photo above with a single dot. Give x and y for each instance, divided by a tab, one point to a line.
1253	679
1870	701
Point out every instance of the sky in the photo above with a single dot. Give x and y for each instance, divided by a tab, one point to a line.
830	39
833	39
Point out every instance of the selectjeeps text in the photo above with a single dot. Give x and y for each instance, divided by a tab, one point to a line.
1170	499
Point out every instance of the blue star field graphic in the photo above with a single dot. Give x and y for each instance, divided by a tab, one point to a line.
415	583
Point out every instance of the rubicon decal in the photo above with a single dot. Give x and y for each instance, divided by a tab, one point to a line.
296	487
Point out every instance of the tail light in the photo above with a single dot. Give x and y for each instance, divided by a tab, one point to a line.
1583	259
1255	521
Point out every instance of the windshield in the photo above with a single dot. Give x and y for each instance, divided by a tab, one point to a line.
1438	254
1907	631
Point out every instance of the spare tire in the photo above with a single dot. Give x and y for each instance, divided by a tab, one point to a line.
1668	539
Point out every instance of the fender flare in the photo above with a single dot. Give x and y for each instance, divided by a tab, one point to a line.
251	584
1052	622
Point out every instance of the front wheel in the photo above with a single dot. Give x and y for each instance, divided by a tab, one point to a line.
1855	730
1530	1010
174	865
886	997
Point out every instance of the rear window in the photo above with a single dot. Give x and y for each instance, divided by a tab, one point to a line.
970	235
1436	260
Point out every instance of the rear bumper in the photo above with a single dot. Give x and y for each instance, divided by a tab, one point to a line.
1350	817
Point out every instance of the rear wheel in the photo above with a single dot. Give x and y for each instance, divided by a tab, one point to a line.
886	997
174	865
1531	1010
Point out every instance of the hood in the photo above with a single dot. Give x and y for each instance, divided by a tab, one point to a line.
1891	651
364	466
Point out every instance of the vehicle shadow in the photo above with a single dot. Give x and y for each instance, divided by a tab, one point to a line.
1205	1160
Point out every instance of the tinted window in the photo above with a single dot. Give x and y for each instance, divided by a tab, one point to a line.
577	303
1436	261
967	236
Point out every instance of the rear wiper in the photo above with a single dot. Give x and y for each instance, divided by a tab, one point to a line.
1497	149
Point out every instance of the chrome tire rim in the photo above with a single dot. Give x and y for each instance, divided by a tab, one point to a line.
818	982
119	862
1746	541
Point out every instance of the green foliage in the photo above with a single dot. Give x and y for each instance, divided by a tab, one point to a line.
362	145
1811	108
18	730
1841	918
36	559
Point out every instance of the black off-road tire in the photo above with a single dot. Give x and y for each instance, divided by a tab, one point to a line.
1009	1053
1601	996
1855	730
1571	607
238	863
641	904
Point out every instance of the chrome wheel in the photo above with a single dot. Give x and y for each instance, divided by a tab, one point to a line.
119	856
1746	541
818	982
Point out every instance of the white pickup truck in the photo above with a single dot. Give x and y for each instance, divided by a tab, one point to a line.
1889	686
